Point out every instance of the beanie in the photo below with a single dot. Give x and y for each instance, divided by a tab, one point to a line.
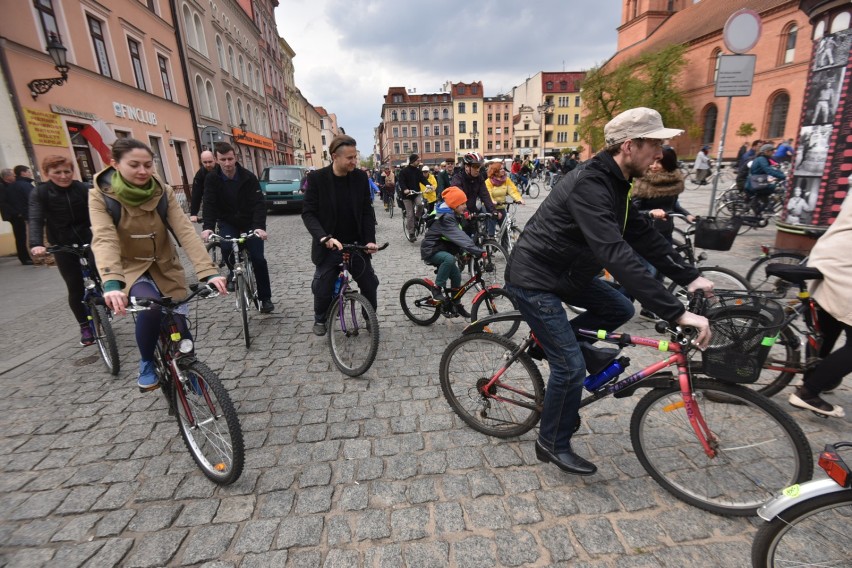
453	197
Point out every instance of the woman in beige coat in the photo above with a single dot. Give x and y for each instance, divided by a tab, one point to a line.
136	254
831	256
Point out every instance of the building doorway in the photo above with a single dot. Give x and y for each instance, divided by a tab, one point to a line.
82	152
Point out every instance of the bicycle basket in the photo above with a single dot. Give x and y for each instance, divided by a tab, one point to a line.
716	234
744	326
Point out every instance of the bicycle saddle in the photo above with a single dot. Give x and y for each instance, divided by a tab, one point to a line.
793	273
597	358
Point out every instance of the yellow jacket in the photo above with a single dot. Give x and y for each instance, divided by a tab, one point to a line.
429	196
498	192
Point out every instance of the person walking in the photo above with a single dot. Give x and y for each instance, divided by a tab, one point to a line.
443	177
18	209
702	166
7	176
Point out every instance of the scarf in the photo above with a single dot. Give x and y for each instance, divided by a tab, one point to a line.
129	194
495	181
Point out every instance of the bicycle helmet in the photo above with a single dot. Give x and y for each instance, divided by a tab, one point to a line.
472	158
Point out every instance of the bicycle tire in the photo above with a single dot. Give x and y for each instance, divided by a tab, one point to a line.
105	337
722	278
417	302
736	209
815	532
251	282
473	359
242	304
218	451
747	426
495	301
534	190
759	281
354	341
499	258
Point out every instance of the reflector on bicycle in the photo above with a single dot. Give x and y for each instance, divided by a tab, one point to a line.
835	468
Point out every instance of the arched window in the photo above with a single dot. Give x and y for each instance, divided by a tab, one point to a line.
778	108
404	115
413	115
231	61
711	114
189	27
265	123
251	77
240	109
839	23
435	114
229	102
211	100
715	58
258	124
549	85
248	118
257	80
446	114
394	115
201	93
199	32
242	66
220	52
789	46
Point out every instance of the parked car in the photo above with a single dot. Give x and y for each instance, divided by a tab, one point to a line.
282	186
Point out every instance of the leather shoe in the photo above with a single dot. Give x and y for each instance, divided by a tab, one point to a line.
319	328
566	461
266	306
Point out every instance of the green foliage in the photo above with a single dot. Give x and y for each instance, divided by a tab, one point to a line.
746	129
649	80
368	163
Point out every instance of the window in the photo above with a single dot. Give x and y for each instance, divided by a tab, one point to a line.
711	113
403	115
461	108
414	147
150	5
220	51
47	17
505	116
405	132
790	44
251	77
199	33
490	145
435	114
498	130
240	109
489	131
396	148
98	42
427	146
475	126
461	89
446	145
136	62
474	110
474	89
414	131
563	85
189	28
462	127
549	85
446	130
231	61
413	115
778	115
201	93
164	75
576	119
446	114
839	23
229	102
577	101
489	118
396	132
394	115
211	100
716	58
154	143
242	67
405	147
576	136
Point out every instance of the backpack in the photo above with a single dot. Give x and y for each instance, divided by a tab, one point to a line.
114	209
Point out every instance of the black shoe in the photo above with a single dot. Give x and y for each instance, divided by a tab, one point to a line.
231	286
266	306
411	237
319	328
461	311
566	461
27	262
647	314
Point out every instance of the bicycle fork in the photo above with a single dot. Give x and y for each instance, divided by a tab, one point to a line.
693	412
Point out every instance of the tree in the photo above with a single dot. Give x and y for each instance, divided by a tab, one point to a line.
368	163
649	80
745	130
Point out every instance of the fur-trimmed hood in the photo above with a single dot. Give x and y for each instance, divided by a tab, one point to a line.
659	184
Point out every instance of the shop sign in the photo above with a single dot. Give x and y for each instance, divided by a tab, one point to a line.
252	139
134	113
45	128
59	109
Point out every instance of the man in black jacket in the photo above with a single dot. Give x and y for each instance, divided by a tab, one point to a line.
410	178
232	198
337	210
588	223
469	181
208	162
18	209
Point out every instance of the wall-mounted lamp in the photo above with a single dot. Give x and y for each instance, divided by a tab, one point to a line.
242	135
58	53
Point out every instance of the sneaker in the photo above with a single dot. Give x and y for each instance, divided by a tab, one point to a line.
437	293
319	328
411	237
460	310
86	336
803	399
266	306
147	377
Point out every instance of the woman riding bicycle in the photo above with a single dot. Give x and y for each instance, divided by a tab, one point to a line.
499	185
761	166
135	255
61	204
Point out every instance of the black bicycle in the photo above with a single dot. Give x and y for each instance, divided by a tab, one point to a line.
99	316
419	220
243	275
205	414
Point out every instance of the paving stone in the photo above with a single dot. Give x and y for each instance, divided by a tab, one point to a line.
34	533
401	467
341	559
339	531
155	518
195	487
474	552
463	458
305	559
197	513
314	475
426	555
30	558
637	494
299	531
77	528
73	555
208	543
116	496
370	468
594	499
356	449
326	451
235	509
276	504
641	533
372	525
523	509
422	490
449	517
516	548
275	480
112	552
354	498
159	488
557	540
314	500
501	455
596	536
265	560
410	524
687	523
487	513
455	486
434	462
39	505
389	556
156	549
114	522
389	494
557	503
483	483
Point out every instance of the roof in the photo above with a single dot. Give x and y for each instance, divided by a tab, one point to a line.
693	22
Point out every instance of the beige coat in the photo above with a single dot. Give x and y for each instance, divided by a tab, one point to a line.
141	243
832	257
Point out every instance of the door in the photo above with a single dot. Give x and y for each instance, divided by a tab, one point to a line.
181	166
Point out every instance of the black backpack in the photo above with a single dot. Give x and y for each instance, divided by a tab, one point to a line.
114	209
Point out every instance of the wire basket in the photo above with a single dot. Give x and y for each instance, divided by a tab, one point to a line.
716	234
745	326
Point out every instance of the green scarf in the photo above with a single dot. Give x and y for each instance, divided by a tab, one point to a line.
129	194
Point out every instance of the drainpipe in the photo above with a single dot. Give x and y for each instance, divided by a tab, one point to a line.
191	104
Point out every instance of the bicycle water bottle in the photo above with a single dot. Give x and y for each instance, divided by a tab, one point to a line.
338	283
596	381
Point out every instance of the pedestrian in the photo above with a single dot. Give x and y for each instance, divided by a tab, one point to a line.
61	205
7	176
149	266
234	202
18	209
702	166
588	225
409	180
208	163
443	176
337	210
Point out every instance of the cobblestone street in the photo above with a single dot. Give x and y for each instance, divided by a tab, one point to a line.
368	471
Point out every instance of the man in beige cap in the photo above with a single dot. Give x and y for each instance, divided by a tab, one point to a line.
588	223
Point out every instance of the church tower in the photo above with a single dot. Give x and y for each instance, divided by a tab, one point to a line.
639	18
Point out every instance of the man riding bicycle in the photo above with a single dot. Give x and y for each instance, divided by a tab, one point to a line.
410	179
472	184
586	224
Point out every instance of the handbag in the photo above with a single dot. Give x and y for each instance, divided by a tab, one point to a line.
758	181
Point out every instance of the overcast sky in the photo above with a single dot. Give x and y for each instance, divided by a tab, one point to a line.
348	52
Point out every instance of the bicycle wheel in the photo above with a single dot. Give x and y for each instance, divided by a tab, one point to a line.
816	532
391	207
499	258
251	283
722	278
496	301
405	223
512	405
759	281
534	190
353	334
736	209
759	448
417	302
208	423
105	337
242	304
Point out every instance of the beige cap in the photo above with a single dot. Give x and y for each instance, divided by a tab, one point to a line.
638	122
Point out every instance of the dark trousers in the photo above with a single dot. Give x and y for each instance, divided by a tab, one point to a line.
19	229
254	247
149	322
361	269
70	270
834	366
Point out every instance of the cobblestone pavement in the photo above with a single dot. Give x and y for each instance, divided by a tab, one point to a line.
373	471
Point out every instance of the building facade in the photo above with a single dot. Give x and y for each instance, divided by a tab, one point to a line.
555	99
311	133
272	65
416	123
526	132
292	95
328	130
498	126
469	106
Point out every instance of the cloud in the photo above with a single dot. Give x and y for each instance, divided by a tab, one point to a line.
349	53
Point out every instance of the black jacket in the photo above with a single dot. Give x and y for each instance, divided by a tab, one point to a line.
445	234
65	212
18	197
197	190
320	211
409	179
250	213
588	223
473	187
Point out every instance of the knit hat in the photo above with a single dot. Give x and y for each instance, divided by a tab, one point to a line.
453	197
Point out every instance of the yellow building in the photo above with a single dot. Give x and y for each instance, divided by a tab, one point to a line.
468	123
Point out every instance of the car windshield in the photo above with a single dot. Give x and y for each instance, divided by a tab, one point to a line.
283	174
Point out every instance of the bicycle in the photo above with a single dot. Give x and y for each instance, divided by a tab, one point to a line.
98	315
757	278
419	220
388	199
755	211
508	231
206	417
243	276
725	175
496	254
808	524
526	186
715	445
417	298
353	334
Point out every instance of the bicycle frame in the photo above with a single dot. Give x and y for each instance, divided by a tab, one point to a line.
474	281
344	287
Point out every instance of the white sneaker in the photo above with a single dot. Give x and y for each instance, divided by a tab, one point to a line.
816	404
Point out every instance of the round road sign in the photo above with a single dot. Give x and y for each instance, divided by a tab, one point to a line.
742	30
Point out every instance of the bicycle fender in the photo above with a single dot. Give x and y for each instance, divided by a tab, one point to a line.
429	281
479	325
481	292
660	380
796	494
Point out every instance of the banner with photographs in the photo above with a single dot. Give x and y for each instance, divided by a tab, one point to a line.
822	161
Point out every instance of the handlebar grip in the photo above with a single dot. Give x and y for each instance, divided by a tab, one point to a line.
98	301
383	247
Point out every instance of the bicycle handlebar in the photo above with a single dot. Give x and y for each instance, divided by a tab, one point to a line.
76	249
355	247
139	303
217	238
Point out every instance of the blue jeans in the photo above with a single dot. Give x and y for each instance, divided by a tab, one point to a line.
544	313
447	268
254	248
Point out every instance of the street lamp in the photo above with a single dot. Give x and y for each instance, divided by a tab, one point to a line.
544	109
58	53
474	136
242	135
